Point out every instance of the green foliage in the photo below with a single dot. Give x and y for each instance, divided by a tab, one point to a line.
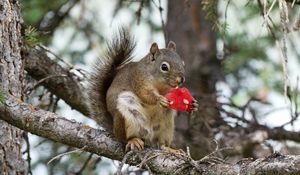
31	36
210	7
34	10
35	13
250	12
242	49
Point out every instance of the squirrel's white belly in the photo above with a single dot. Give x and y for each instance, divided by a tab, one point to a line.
152	123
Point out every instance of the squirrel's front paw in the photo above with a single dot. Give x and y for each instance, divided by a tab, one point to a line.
164	102
194	105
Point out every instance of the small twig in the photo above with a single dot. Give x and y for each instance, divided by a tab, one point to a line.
223	34
184	166
272	111
163	25
51	97
66	153
296	25
296	95
270	9
145	164
189	162
84	165
44	93
232	115
40	143
269	27
244	107
293	3
188	151
283	48
214	159
269	146
25	135
96	162
41	81
139	11
70	66
226	9
293	106
119	170
55	104
148	157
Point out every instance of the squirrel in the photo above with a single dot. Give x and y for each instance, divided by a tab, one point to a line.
130	95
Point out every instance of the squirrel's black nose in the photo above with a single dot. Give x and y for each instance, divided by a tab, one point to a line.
180	80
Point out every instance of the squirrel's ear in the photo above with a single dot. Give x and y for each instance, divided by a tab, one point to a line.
154	50
172	46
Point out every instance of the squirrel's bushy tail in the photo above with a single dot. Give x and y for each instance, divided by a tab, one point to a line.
118	53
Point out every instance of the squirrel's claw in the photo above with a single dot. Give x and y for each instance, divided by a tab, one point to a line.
194	105
134	143
164	102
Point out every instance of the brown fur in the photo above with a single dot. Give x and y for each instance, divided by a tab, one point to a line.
118	53
134	92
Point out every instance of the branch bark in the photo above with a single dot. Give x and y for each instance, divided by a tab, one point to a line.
280	133
68	87
72	133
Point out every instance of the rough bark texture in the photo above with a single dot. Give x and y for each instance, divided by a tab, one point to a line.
11	78
196	43
50	125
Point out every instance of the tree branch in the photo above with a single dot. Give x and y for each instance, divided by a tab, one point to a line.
59	129
49	24
68	87
279	133
72	133
293	1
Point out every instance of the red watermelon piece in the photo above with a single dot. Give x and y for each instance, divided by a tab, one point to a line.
180	99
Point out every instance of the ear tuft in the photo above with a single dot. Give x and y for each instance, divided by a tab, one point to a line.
172	46
154	48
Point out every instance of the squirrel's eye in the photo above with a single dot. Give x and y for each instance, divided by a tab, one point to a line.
164	67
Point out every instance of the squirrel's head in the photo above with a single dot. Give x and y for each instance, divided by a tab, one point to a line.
166	66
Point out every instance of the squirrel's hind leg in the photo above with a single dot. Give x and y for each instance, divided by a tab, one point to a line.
120	133
135	122
134	143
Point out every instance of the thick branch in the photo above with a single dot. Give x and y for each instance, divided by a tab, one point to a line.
50	125
72	133
67	87
282	134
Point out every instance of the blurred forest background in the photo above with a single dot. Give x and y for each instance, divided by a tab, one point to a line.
242	62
